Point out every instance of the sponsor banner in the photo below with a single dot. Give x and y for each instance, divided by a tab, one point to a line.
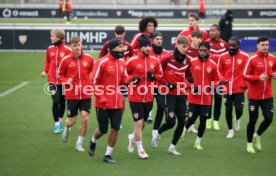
95	39
132	13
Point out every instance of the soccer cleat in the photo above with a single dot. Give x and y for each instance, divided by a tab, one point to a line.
154	140
192	129
230	134
57	129
109	159
143	155
91	148
208	123
257	142
65	135
61	127
173	151
216	125
198	146
183	135
250	149
237	125
130	144
79	148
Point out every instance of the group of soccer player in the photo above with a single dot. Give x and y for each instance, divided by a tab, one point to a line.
201	70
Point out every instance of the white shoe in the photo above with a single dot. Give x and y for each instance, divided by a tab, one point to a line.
155	137
79	148
173	151
237	125
143	155
230	134
130	146
192	129
153	131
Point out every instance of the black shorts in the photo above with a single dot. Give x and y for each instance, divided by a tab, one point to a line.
140	110
237	99
176	104
74	105
104	116
196	110
266	106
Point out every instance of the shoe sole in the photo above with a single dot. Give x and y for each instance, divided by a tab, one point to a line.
145	158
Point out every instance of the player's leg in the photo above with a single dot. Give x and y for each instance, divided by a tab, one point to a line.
253	107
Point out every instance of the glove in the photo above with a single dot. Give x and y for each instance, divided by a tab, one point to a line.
136	80
244	86
195	89
151	76
191	80
223	82
171	86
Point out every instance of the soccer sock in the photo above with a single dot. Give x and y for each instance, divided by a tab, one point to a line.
150	114
93	139
198	139
56	123
256	134
60	120
139	146
172	146
80	140
108	150
66	129
132	137
231	131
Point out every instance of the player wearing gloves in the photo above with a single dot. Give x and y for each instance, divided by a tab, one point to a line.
142	70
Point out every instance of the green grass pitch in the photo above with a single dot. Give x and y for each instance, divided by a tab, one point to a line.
28	146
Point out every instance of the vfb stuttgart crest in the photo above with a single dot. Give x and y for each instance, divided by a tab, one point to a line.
61	54
209	69
152	66
221	44
136	115
84	63
22	39
52	54
239	61
270	63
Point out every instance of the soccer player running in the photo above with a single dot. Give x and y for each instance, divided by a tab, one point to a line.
175	67
231	65
159	52
54	55
193	53
193	22
147	26
109	73
259	71
204	71
218	46
143	70
119	33
74	72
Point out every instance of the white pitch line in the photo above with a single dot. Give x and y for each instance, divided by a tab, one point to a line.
13	89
